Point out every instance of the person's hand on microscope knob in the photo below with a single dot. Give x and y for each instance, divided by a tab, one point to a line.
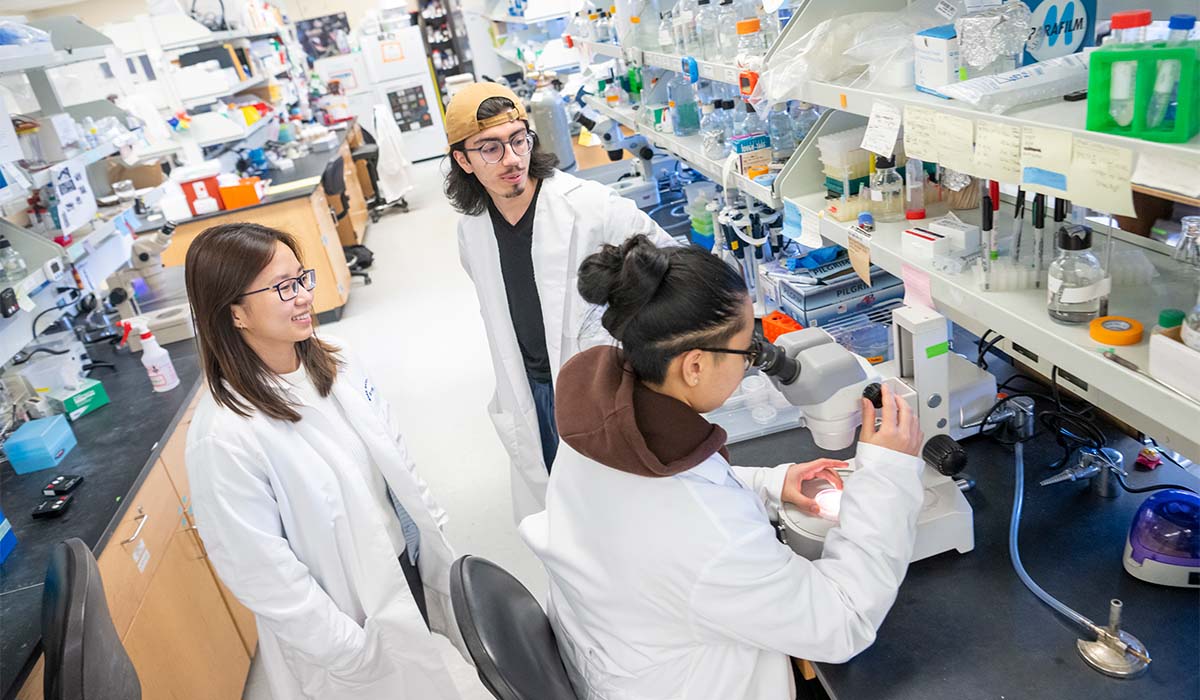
898	430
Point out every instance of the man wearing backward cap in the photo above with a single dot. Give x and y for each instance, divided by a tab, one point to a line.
526	227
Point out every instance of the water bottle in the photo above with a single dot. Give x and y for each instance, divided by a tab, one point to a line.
685	114
804	117
783	138
12	264
708	31
727	32
752	123
712	133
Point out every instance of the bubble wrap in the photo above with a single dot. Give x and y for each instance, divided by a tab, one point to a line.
987	35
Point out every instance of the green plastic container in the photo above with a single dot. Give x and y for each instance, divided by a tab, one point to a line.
1186	123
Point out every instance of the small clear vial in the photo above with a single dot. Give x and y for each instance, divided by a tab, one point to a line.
914	189
1127	28
779	128
887	191
1077	285
712	133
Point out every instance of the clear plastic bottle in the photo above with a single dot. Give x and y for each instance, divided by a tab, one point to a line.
779	128
727	34
727	124
750	44
708	31
804	117
685	28
593	30
712	133
604	33
614	96
1167	78
12	265
738	116
1189	330
769	24
752	123
914	189
1077	284
887	191
685	113
666	31
1127	28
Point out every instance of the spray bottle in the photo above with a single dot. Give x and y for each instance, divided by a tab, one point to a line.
155	359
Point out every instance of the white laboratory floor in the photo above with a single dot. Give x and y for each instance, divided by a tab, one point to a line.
417	328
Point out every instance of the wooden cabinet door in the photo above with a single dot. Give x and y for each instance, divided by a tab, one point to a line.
131	558
325	240
183	642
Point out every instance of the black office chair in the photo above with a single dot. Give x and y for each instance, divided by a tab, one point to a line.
507	634
85	659
369	154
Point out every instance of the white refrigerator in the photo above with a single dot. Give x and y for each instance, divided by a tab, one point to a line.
392	69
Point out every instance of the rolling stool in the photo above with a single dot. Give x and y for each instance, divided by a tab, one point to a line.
507	634
366	157
84	654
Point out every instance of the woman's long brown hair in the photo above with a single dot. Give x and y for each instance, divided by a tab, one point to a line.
221	264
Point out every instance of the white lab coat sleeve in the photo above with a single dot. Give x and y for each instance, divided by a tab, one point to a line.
385	411
238	520
767	483
758	592
462	252
623	219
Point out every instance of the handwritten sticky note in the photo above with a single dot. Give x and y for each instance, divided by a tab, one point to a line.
1172	173
585	137
1100	176
919	133
1045	160
883	128
917	287
858	244
998	151
955	140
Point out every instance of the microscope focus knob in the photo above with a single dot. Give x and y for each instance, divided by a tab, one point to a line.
945	455
874	393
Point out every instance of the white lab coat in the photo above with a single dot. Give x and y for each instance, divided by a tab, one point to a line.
392	168
574	217
295	534
677	588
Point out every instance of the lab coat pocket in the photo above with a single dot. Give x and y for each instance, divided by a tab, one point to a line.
317	681
506	429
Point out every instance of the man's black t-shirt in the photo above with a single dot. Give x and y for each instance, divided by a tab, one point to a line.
524	306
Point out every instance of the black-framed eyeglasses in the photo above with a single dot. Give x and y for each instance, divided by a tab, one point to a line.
492	152
749	355
290	287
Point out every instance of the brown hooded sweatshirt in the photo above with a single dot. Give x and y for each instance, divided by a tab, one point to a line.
607	415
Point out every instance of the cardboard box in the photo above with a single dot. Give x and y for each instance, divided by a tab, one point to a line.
1173	363
963	236
1058	28
78	403
820	304
936	58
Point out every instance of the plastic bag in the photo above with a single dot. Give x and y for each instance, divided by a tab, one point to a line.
999	93
891	34
818	55
15	33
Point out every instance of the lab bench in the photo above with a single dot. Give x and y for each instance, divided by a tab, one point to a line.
963	627
185	633
297	203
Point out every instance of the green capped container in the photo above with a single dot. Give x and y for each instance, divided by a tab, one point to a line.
1186	123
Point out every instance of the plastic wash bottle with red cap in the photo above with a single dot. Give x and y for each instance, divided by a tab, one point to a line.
156	360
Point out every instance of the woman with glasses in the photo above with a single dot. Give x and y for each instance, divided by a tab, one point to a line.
525	229
667	579
305	496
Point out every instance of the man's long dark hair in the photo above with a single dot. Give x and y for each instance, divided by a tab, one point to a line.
466	194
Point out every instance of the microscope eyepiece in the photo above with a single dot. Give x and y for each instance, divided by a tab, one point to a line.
774	362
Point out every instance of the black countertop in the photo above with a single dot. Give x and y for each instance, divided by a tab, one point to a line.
309	166
117	446
964	627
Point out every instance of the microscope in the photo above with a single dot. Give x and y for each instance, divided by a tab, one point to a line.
827	382
151	293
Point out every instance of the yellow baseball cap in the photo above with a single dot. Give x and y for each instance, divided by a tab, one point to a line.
461	123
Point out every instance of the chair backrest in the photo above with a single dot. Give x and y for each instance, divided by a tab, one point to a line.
507	634
85	659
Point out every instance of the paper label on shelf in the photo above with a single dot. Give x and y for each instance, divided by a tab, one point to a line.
661	60
919	132
946	9
76	203
954	138
998	151
1100	176
1045	160
917	286
708	71
731	76
858	244
1169	172
883	128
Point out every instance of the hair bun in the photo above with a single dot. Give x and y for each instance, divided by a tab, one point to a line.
625	278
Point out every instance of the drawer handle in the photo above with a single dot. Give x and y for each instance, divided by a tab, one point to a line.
141	524
200	542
